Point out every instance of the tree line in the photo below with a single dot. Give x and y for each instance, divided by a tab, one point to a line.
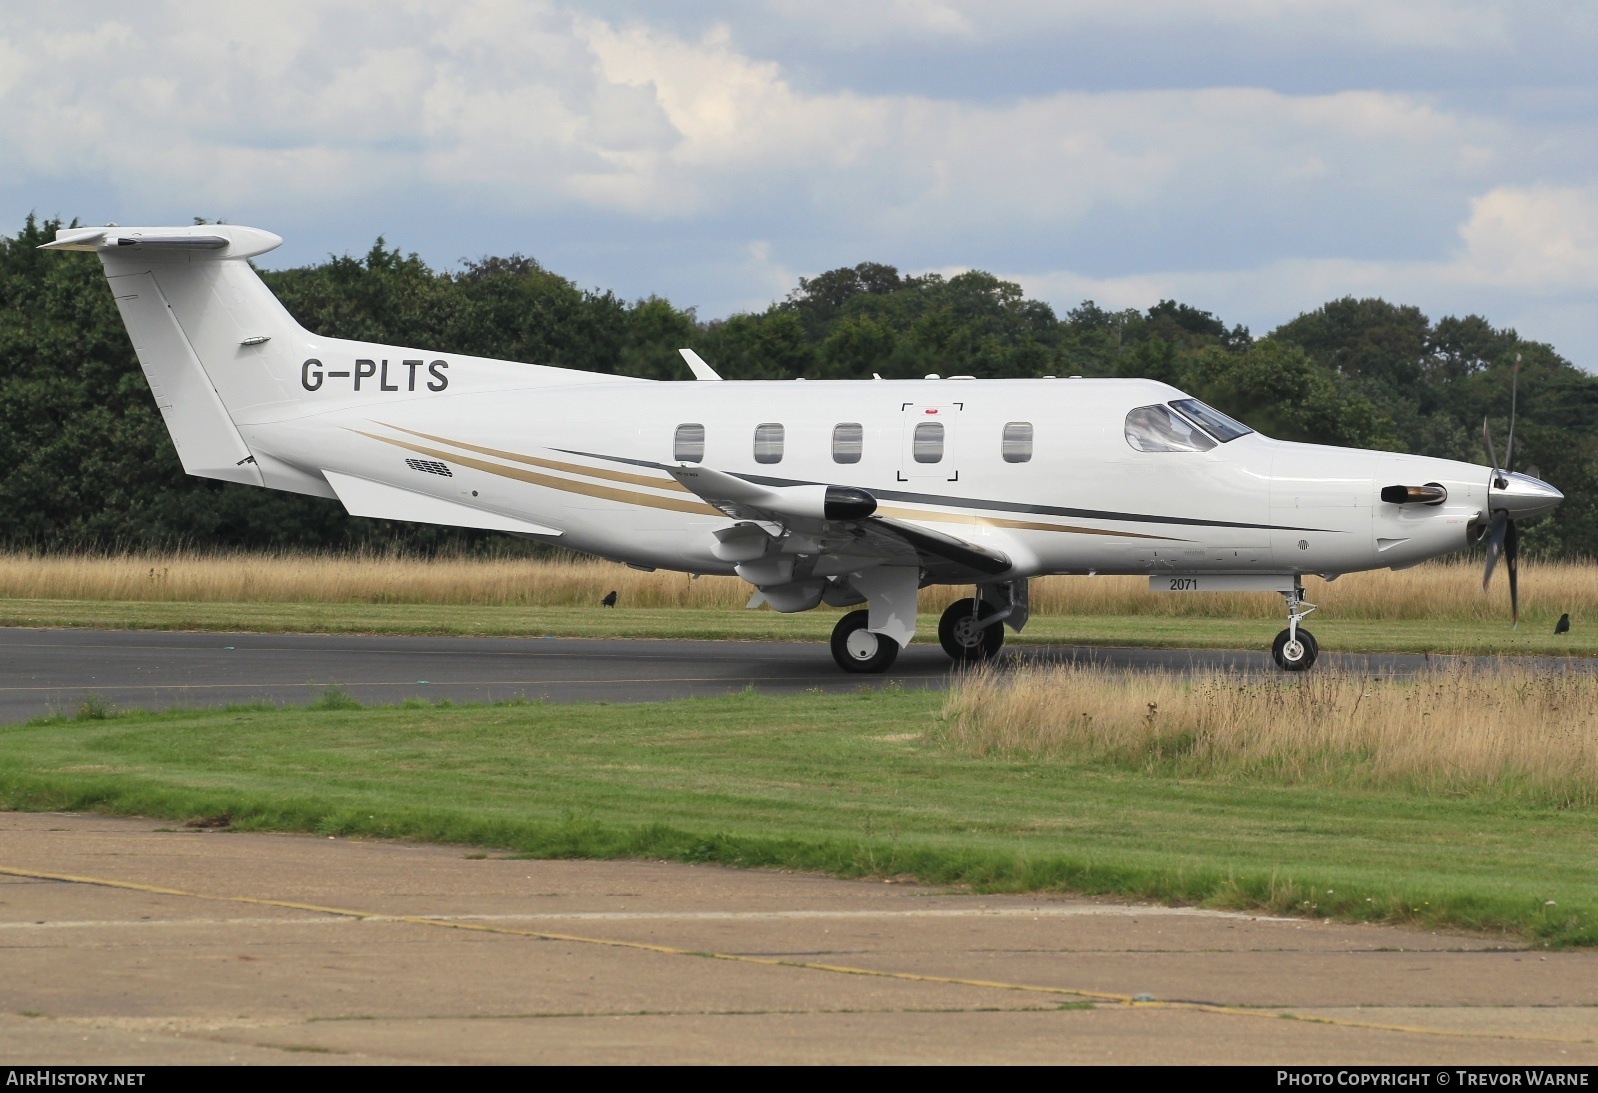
86	463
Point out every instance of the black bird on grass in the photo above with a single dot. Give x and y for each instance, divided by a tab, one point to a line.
1563	625
609	600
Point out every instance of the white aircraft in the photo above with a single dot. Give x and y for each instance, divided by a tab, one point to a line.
838	492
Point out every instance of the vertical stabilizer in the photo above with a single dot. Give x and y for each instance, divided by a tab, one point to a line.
207	441
201	323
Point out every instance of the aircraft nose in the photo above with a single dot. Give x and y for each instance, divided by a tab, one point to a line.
1523	496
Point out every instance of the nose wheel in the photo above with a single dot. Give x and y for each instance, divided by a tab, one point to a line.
857	649
1295	648
1294	654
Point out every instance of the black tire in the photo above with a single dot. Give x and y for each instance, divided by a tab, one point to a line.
1299	660
963	641
879	651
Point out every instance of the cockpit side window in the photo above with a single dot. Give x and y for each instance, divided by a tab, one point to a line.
1210	419
1157	429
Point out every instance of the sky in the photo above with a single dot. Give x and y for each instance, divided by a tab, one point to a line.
1254	158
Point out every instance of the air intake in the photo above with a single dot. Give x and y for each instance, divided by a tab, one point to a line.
1431	494
428	466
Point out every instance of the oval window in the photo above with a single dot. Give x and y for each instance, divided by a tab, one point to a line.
1017	443
848	441
927	444
689	444
768	443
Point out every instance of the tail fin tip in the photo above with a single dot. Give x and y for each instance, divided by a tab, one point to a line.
222	240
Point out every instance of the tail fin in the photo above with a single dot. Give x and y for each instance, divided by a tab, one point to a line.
207	331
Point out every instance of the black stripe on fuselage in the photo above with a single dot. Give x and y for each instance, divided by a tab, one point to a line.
982	503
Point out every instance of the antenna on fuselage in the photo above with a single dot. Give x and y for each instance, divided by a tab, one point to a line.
697	365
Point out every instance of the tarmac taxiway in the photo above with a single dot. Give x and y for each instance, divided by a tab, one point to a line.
130	942
44	671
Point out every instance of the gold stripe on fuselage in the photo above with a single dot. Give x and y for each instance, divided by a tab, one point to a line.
660	483
628	497
565	485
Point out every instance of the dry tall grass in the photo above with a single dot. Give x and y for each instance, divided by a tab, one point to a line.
1447	591
1507	728
366	578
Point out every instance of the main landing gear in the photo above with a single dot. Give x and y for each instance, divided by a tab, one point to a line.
1295	649
969	633
857	649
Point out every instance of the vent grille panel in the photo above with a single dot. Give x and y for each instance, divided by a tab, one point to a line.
430	466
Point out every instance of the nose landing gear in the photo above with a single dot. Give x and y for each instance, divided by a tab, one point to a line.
1295	648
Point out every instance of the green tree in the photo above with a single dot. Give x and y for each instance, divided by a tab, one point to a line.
1278	389
85	460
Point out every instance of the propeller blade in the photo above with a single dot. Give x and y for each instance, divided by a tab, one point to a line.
1492	454
1514	390
1512	563
1495	545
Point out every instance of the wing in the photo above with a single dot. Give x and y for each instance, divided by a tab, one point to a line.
841	521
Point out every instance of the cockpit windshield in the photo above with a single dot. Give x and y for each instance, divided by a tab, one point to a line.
1210	419
1158	429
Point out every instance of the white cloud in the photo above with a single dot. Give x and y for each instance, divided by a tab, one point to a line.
1533	237
1539	243
535	115
1432	24
531	107
856	23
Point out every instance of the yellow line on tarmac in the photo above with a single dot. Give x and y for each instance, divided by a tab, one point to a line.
767	961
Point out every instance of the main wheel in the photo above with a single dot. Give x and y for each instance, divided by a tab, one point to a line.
1295	656
857	649
963	639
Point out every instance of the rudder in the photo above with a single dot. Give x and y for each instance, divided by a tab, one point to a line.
202	324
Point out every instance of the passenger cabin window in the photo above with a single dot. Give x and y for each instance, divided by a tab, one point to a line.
1210	419
1159	429
848	441
1017	443
689	444
768	443
927	444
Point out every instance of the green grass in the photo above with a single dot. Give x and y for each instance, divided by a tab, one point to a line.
853	785
1334	634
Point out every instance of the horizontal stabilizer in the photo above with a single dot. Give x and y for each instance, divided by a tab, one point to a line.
363	497
219	240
